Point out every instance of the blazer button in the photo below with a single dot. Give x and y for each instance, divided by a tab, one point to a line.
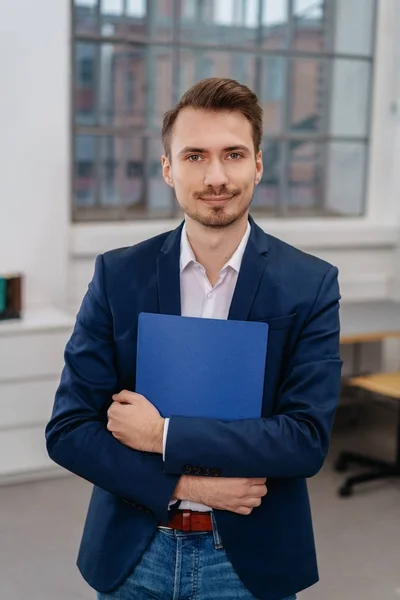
207	471
216	472
197	471
187	469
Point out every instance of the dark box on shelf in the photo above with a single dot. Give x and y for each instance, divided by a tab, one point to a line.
10	296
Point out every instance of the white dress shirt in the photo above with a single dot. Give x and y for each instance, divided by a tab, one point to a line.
200	299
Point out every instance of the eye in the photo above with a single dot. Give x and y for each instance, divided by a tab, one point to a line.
194	158
235	155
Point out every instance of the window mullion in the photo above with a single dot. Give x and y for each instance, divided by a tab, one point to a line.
286	109
98	140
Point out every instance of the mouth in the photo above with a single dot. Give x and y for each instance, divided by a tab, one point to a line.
216	199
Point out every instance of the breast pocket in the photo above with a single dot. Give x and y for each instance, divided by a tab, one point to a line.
280	323
278	339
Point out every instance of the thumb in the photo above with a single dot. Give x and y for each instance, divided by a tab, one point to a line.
123	397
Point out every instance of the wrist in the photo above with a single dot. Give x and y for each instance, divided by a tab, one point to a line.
185	489
179	489
159	436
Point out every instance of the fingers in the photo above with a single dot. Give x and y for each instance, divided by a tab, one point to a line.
255	502
254	487
125	397
110	412
115	411
244	510
252	502
248	507
259	491
257	480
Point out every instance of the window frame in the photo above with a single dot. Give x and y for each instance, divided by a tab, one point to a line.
284	138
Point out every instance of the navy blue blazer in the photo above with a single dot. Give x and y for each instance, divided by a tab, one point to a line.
272	549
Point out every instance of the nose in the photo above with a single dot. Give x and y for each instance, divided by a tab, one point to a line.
215	175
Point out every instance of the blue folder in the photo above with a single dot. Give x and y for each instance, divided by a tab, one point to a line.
198	367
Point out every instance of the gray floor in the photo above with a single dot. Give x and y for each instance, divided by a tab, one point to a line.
357	539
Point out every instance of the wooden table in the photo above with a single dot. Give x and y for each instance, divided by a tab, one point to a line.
381	384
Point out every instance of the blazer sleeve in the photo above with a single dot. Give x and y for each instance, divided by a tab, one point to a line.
77	437
295	440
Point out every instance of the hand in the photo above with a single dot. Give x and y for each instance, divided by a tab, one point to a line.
135	422
238	495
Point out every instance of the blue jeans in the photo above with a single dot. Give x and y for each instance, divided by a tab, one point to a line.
183	565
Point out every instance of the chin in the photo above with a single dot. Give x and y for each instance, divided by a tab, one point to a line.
215	219
219	218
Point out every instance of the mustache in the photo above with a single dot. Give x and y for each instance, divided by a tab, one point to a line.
222	191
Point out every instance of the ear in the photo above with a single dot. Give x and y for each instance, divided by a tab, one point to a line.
167	170
259	167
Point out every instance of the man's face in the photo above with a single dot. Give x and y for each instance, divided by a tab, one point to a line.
213	166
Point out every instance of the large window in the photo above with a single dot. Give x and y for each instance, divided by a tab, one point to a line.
309	61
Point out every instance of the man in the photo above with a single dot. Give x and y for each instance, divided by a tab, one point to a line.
227	538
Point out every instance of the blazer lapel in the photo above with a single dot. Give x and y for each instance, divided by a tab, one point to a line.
168	275
251	271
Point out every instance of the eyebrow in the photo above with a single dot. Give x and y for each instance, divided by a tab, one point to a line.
193	150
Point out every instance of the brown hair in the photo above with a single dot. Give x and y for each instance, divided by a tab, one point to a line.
217	94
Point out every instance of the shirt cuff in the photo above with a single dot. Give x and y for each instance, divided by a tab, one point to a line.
166	425
176	502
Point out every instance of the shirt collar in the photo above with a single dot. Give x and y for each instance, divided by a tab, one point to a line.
187	255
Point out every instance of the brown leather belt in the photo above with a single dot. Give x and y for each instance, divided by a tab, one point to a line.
188	520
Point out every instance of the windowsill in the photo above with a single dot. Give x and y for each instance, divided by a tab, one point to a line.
38	320
90	239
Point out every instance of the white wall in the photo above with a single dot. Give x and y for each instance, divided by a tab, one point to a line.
34	154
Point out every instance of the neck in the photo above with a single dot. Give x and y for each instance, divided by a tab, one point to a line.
214	247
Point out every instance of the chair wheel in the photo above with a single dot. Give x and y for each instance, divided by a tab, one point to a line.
345	491
340	465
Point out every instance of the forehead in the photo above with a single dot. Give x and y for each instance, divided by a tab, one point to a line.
211	130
